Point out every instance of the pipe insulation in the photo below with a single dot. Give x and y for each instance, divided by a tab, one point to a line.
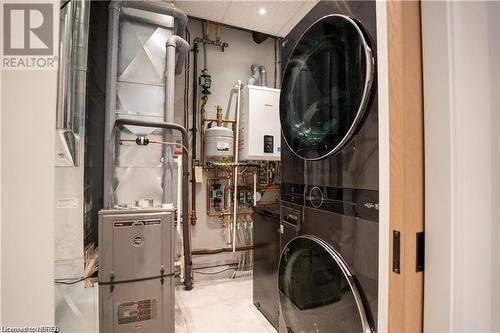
174	44
188	283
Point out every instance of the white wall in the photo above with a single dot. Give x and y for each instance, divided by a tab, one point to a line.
225	68
461	43
27	127
27	252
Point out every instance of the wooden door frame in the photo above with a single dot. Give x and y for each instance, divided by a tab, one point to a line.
401	163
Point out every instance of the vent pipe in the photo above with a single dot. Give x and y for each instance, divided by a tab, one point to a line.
173	43
255	78
263	76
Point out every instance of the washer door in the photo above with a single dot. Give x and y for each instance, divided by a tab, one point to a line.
317	292
325	87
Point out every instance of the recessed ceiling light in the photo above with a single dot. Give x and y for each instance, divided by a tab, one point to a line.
262	11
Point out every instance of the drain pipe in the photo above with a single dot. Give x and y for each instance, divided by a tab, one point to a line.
120	122
235	185
173	43
194	129
179	219
177	43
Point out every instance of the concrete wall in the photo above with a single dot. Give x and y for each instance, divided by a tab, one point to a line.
461	42
226	68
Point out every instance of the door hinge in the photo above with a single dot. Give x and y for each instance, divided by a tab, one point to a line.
420	260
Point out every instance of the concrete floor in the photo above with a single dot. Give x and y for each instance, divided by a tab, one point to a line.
219	306
216	304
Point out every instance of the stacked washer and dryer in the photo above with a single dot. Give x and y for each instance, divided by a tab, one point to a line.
328	270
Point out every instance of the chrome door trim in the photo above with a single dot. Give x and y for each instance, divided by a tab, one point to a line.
370	73
345	270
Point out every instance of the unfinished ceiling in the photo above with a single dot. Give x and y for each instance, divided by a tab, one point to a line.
275	18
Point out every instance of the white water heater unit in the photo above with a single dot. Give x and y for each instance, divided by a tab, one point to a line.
259	128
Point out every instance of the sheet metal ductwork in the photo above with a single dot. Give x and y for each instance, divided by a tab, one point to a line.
136	89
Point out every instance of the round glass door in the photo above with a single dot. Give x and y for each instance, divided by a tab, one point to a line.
325	87
316	290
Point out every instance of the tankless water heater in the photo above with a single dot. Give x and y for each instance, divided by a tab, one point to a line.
259	137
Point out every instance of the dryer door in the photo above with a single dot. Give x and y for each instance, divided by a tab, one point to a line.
317	291
326	86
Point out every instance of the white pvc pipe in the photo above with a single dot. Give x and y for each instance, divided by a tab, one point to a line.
179	192
179	215
229	209
173	44
255	189
235	185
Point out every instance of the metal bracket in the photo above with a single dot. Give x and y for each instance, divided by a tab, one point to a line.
420	260
396	251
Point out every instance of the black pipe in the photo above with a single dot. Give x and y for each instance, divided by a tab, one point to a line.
188	283
194	130
200	252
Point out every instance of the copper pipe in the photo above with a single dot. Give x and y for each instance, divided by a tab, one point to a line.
219	115
221	214
217	34
207	29
227	121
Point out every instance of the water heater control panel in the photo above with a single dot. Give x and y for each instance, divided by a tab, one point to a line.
259	128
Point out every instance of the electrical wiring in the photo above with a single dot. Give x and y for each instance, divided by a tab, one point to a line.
221	271
214	273
71	281
89	271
